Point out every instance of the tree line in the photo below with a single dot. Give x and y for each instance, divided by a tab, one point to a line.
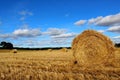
117	45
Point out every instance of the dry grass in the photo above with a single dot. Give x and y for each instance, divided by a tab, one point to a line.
92	48
44	65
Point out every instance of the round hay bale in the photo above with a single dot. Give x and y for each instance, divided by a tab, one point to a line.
64	50
92	48
14	51
50	50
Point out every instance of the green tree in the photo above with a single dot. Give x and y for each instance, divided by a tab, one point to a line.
6	45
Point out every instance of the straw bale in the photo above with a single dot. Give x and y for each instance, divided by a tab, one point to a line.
50	50
64	50
14	51
92	48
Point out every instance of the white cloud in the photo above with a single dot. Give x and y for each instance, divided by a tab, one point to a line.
114	29
117	37
24	31
27	32
80	22
59	33
94	20
101	31
4	36
62	41
59	36
51	37
109	20
66	35
55	31
44	43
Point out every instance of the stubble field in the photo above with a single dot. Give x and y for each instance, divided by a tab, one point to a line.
52	65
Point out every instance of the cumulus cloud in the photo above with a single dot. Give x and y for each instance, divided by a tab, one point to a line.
109	20
62	39
53	37
80	22
55	31
114	29
94	20
59	33
59	36
27	32
23	31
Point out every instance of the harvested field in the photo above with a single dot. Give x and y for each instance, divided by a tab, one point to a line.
55	65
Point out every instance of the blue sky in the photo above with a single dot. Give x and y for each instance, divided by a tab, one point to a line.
54	23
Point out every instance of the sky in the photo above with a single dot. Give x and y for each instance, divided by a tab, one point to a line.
55	23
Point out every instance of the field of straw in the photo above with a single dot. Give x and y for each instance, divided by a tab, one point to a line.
52	65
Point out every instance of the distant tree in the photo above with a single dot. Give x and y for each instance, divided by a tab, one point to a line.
117	45
2	43
6	45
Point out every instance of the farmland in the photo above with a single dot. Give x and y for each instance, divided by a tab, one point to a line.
52	65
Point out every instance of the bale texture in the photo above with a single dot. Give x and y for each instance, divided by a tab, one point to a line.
92	48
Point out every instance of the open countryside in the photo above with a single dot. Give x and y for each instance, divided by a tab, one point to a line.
59	39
